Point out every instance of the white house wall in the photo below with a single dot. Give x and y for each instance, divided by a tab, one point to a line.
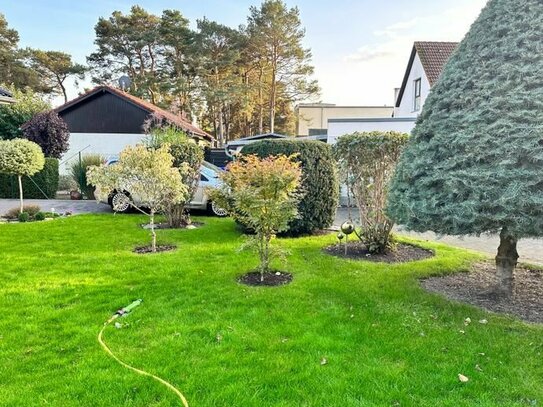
407	105
105	144
341	127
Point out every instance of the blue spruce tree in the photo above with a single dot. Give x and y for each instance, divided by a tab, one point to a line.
474	163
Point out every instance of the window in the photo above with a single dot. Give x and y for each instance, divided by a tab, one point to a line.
417	93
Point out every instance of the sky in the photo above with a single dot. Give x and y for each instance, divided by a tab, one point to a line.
360	47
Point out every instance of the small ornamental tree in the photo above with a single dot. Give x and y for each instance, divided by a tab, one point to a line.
474	163
50	132
261	193
186	153
149	176
20	157
320	185
367	162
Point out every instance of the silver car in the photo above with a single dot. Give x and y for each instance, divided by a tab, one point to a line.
209	178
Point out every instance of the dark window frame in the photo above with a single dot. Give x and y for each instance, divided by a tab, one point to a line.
417	92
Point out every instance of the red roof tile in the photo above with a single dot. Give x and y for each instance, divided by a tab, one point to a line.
434	56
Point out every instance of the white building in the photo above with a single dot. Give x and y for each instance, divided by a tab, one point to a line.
425	65
312	118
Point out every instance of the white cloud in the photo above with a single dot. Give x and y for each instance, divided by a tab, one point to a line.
369	74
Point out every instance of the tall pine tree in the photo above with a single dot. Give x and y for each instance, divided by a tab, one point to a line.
474	163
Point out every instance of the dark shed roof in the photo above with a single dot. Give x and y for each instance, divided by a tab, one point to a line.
105	109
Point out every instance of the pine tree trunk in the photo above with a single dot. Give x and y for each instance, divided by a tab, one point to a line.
506	261
19	177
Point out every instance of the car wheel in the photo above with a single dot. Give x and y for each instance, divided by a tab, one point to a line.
120	202
217	210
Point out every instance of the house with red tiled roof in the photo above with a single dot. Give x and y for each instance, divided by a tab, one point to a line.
426	63
105	120
427	60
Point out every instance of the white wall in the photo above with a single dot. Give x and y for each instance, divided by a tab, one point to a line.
105	144
406	108
341	127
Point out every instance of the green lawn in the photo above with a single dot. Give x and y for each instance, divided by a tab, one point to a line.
386	341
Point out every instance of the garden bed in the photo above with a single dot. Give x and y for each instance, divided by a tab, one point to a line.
159	249
271	279
402	253
165	226
476	288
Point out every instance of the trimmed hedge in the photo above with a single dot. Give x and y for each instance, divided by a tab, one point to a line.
46	179
320	184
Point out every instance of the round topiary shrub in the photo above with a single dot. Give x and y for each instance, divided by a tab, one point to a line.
320	184
39	216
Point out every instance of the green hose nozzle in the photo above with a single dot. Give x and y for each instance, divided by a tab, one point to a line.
128	309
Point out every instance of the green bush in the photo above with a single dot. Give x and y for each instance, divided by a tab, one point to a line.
79	172
320	184
46	180
24	217
39	216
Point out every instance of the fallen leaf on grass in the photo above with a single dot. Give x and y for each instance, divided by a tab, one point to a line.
462	378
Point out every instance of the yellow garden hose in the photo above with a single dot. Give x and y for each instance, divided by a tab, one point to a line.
136	370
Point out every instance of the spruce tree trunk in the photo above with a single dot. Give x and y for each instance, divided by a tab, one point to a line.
506	261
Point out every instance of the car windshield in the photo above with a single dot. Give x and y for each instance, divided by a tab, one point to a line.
212	167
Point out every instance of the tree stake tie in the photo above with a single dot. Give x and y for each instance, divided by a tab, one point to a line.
123	312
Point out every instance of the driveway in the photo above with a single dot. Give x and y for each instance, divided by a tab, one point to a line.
530	250
60	205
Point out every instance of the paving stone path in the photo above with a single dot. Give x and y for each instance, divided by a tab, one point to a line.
60	205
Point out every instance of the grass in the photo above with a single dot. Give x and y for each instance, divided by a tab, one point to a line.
386	341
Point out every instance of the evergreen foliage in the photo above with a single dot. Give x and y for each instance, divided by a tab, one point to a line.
474	163
320	184
42	185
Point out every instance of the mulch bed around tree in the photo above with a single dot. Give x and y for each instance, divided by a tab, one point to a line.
476	288
193	225
149	249
402	253
271	279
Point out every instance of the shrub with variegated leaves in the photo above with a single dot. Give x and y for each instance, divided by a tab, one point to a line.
148	174
21	158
